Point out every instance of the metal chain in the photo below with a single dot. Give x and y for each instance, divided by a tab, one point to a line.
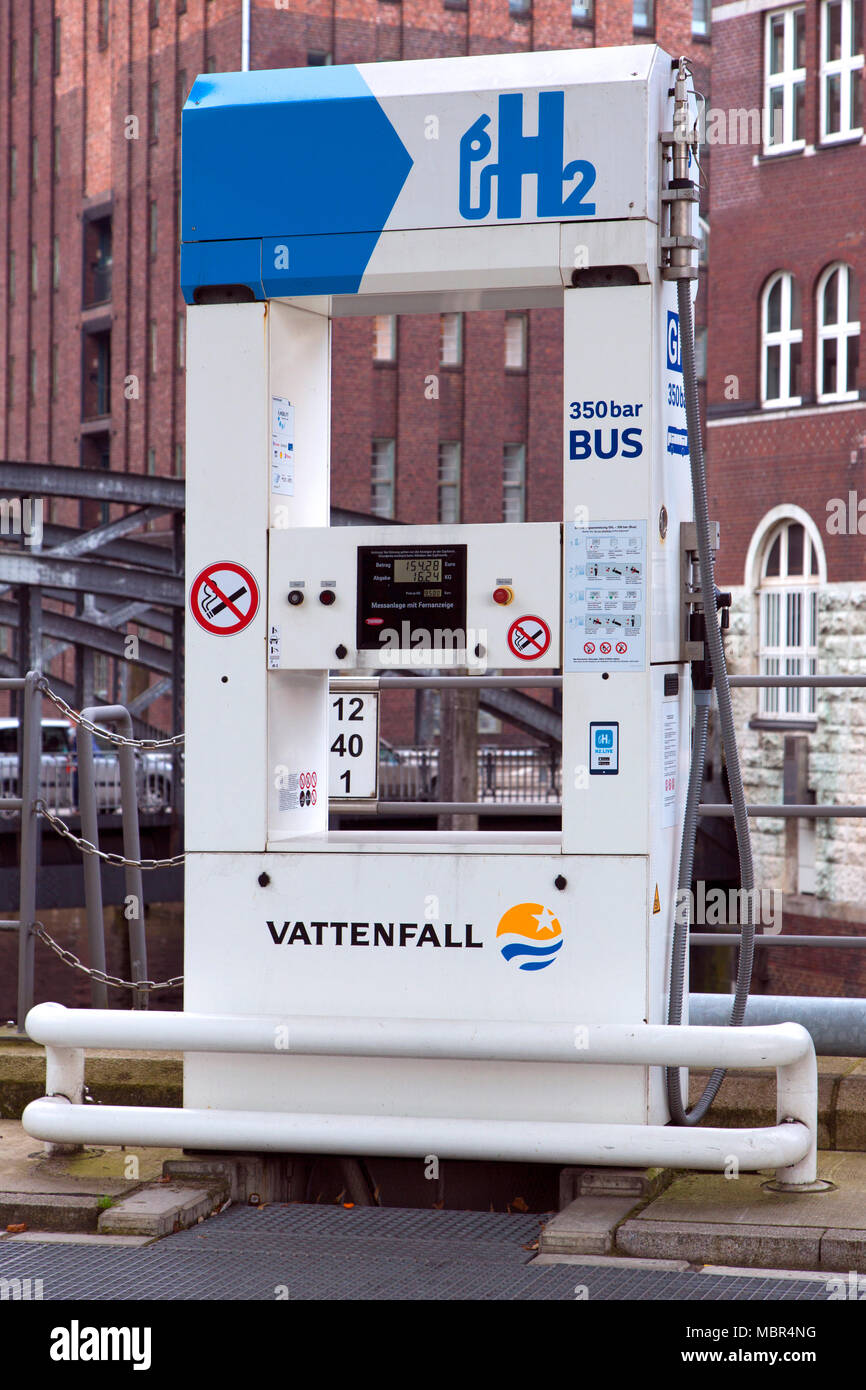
86	847
70	958
120	739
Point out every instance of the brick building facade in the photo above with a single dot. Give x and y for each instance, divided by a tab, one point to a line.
91	317
786	432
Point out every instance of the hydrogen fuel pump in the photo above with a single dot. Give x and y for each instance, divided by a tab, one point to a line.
462	994
478	183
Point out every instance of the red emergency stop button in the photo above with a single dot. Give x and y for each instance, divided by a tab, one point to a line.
503	594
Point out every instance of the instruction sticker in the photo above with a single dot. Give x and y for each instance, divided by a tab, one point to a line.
605	596
298	790
670	737
282	446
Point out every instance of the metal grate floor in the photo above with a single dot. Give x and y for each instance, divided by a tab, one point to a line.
313	1252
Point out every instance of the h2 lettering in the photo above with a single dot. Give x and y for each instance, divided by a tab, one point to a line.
518	155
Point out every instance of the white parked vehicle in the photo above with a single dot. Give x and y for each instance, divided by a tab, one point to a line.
58	778
58	765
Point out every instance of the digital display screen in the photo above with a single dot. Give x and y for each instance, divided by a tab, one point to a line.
411	597
417	569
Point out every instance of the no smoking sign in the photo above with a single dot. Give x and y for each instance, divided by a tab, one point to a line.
529	637
224	598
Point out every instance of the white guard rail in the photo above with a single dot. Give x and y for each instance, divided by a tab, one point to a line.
789	1146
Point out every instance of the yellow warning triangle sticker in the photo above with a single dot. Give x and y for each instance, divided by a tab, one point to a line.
657	907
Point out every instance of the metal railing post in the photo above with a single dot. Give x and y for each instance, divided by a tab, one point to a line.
132	850
31	828
92	873
116	715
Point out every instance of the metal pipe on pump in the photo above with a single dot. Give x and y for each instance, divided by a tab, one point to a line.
682	246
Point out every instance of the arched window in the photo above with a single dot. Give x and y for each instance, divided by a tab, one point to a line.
788	581
781	341
838	334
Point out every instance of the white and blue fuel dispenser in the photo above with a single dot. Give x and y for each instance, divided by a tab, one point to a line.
470	994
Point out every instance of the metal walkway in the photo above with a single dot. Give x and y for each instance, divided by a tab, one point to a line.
311	1252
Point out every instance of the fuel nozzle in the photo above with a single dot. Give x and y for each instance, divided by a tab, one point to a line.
679	246
682	133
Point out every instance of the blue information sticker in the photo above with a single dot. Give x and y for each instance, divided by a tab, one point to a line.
604	748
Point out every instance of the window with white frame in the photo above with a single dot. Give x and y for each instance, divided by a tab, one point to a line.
384	337
781	341
514	482
704	239
449	480
451	340
701	18
701	353
785	79
643	15
838	335
382	477
100	675
788	619
841	69
515	342
581	10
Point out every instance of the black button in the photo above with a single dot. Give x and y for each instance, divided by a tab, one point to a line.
341	651
327	596
296	596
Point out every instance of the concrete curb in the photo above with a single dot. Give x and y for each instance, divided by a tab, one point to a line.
43	1211
160	1208
704	1242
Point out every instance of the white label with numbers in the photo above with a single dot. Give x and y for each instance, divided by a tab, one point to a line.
354	745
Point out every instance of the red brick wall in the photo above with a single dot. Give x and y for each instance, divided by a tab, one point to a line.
826	971
797	212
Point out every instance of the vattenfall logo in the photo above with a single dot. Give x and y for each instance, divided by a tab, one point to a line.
399	934
519	155
529	935
532	936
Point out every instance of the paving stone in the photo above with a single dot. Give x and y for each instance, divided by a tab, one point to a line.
586	1227
160	1208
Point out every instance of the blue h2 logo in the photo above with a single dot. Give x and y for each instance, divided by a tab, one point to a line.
604	738
675	356
518	155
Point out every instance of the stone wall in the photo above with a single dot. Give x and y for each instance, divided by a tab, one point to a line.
837	748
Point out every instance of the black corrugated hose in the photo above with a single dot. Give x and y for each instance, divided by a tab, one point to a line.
713	637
